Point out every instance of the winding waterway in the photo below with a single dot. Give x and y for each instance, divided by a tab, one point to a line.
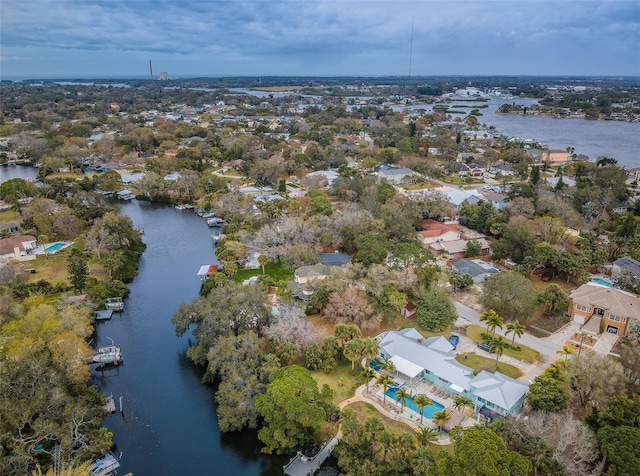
171	426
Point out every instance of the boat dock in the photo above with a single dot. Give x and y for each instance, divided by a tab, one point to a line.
302	465
104	315
110	406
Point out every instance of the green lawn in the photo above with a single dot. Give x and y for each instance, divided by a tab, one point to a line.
342	380
277	271
525	353
478	363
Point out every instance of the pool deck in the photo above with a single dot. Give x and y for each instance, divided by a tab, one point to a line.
42	249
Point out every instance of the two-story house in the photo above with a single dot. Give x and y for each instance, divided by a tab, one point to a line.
601	308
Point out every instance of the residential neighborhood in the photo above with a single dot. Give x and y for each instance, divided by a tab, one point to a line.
413	264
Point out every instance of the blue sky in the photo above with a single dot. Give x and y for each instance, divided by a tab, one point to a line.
116	38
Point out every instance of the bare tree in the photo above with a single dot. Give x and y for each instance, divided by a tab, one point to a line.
290	326
573	444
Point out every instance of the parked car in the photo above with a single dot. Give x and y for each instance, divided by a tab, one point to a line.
454	339
484	346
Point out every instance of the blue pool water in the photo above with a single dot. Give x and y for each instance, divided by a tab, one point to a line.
53	247
601	281
426	411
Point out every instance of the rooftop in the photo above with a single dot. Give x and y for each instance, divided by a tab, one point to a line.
617	302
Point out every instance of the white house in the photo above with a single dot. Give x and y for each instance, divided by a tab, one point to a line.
431	359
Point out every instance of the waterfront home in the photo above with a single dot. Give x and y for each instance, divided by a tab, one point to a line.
601	308
432	360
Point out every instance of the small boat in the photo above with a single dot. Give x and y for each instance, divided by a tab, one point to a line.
215	221
179	207
111	354
216	238
105	465
114	304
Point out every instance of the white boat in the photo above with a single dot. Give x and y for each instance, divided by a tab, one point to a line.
114	304
216	238
215	221
104	465
111	354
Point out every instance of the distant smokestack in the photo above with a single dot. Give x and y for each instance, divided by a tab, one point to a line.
150	69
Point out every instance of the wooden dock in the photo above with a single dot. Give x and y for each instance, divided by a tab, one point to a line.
302	465
111	404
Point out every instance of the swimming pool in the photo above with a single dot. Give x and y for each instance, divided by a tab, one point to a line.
602	281
427	411
55	247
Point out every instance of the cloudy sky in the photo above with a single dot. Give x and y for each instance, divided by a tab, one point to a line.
117	38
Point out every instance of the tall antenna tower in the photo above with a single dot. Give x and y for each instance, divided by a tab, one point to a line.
150	69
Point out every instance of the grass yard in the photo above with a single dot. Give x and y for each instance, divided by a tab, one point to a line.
277	271
478	363
365	410
525	353
342	380
53	268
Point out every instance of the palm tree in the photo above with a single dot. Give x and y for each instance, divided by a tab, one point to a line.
401	396
440	418
370	348
388	366
385	380
367	375
498	345
353	351
422	458
516	329
263	260
566	351
459	402
493	320
426	434
422	401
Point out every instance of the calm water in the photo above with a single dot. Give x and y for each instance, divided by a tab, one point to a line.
171	426
17	171
620	140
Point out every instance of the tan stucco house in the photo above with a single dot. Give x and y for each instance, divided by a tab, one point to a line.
601	309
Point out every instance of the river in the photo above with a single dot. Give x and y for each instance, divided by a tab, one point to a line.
617	139
171	426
